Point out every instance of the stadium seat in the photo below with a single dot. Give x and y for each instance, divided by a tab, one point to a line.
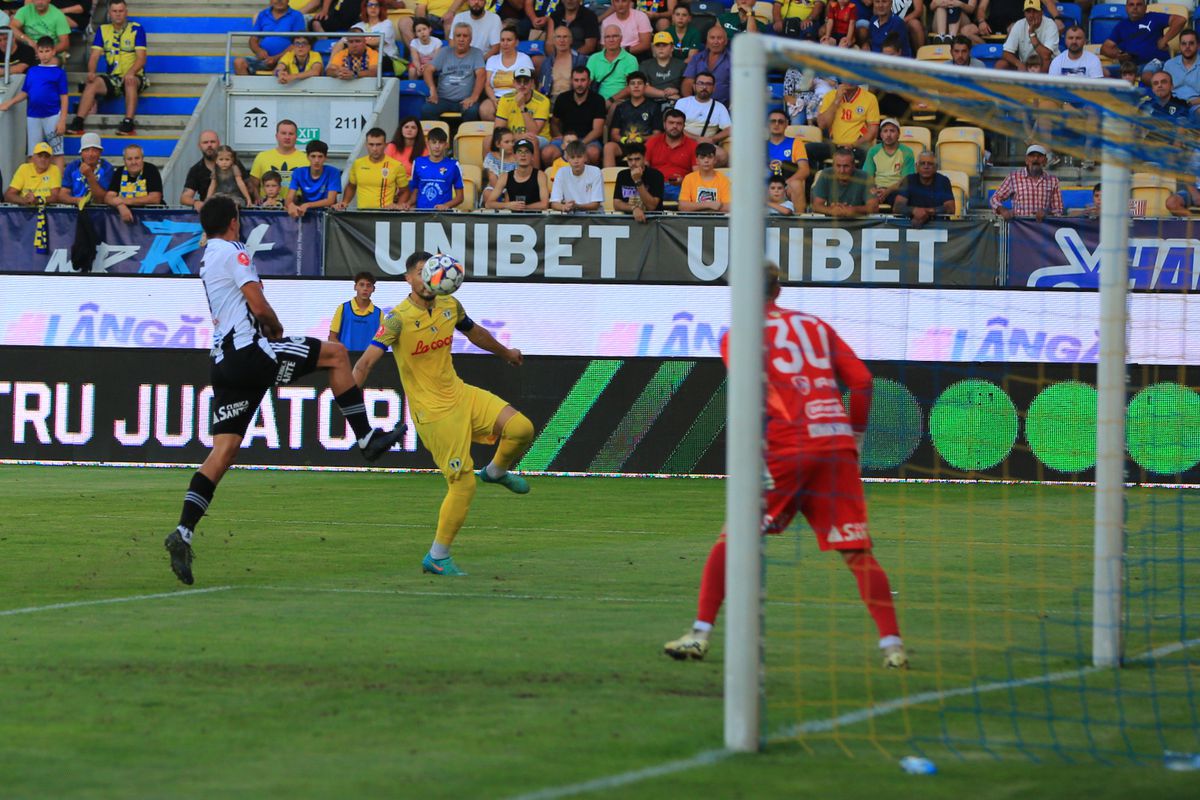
934	52
429	124
989	54
472	177
917	138
610	182
961	184
1072	13
469	142
961	148
1152	191
532	48
324	47
1105	61
1103	19
807	133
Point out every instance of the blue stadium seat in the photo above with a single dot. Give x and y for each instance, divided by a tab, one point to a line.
776	91
152	146
196	64
532	48
323	46
1103	19
197	24
989	54
1072	13
184	105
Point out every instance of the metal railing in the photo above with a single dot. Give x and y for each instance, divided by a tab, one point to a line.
8	49
228	72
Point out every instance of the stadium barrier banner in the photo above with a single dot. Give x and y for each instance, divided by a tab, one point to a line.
604	415
1164	254
159	241
625	320
671	249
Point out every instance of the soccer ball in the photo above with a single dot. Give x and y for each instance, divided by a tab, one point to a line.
442	274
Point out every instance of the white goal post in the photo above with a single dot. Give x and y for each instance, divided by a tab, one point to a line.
744	569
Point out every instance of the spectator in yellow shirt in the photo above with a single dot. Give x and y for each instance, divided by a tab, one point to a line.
379	181
850	118
36	180
299	62
704	189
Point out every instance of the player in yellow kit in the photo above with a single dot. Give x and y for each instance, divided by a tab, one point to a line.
448	413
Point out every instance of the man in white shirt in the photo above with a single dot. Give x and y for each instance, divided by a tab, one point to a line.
249	356
484	24
1075	60
579	186
706	119
1036	33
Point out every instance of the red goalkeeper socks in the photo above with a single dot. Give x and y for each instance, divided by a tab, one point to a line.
874	589
712	584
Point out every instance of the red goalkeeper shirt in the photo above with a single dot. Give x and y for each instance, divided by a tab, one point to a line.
806	361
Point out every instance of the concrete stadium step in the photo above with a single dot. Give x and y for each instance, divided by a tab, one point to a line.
150	105
153	146
147	124
171	43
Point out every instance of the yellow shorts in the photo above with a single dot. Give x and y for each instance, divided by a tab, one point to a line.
449	439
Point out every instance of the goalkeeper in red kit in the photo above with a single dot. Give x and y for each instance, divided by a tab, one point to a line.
812	466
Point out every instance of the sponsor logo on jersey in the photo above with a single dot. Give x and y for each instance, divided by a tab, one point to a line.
850	532
801	383
243	259
825	383
824	409
455	464
822	429
437	344
447	313
382	330
285	373
230	411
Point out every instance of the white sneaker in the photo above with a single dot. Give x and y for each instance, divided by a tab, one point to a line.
894	657
693	645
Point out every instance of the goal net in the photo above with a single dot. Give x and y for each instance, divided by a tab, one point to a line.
1032	449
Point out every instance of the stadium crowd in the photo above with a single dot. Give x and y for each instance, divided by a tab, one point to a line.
625	106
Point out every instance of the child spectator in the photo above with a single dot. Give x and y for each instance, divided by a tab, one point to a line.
705	190
422	48
777	199
437	183
46	89
840	19
298	62
315	187
227	178
272	190
685	37
498	161
580	186
355	321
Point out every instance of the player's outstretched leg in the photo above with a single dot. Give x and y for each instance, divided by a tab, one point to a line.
349	398
455	505
516	434
876	593
195	502
694	643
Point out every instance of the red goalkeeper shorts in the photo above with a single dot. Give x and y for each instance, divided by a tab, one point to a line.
827	489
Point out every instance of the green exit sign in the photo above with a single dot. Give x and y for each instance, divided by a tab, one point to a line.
306	135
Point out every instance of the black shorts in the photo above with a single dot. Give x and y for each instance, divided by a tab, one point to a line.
243	376
114	85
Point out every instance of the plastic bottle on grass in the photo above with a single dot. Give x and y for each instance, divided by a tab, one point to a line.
915	765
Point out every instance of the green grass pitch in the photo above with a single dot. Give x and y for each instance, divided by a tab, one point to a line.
324	665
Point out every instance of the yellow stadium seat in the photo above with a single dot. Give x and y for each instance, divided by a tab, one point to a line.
807	133
429	124
469	142
472	177
961	148
934	52
1152	191
917	138
610	183
961	184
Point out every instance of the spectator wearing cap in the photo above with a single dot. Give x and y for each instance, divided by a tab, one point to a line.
996	18
455	78
316	186
579	186
634	24
277	18
633	121
485	27
1036	33
872	33
136	183
664	72
195	185
612	65
842	190
580	114
524	111
1033	191
739	19
787	158
672	152
713	60
925	194
889	162
524	188
1143	38
581	21
704	190
639	187
36	181
707	119
86	179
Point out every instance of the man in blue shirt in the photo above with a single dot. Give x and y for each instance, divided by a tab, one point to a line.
315	187
1143	38
1162	102
87	178
925	193
1184	70
437	183
883	25
276	18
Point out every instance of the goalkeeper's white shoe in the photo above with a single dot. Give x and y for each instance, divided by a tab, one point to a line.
693	645
894	657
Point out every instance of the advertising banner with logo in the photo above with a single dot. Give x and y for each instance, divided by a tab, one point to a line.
159	241
1164	254
675	249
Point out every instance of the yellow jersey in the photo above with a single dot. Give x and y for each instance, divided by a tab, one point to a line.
272	159
421	340
507	109
287	62
852	116
28	179
377	184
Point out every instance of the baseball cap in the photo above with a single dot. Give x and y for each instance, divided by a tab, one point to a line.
42	147
523	144
662	37
1032	5
1036	148
522	72
90	140
889	121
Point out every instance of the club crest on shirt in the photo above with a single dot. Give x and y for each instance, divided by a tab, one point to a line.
243	259
447	313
